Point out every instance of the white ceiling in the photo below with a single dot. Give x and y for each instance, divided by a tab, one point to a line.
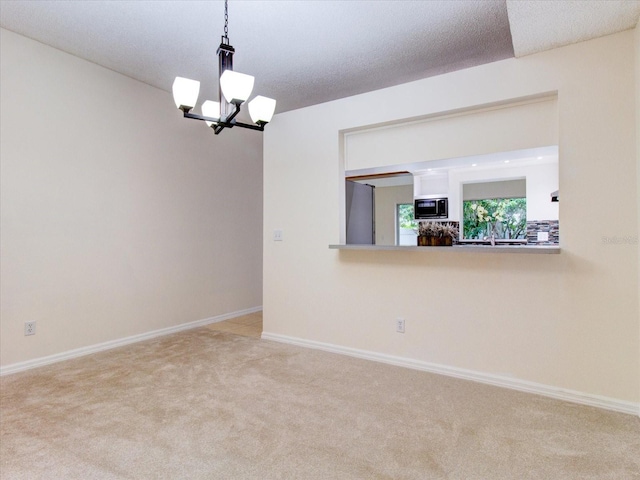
311	51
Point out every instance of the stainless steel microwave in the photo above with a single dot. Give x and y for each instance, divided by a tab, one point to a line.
429	208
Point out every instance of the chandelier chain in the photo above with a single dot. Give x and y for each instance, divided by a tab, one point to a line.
226	20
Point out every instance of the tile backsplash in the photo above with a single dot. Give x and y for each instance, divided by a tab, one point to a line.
552	227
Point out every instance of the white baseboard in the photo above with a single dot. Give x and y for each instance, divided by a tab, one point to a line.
487	378
79	352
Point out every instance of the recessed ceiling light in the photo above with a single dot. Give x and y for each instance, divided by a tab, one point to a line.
429	169
506	161
474	164
539	158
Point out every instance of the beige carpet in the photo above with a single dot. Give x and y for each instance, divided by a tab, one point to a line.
212	405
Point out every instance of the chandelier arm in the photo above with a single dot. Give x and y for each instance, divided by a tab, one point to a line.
220	125
235	112
195	116
259	126
227	122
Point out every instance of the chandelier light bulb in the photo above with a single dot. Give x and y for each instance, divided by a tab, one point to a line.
236	87
211	109
261	109
185	93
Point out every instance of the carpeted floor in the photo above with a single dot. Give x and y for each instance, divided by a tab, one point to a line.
247	325
205	404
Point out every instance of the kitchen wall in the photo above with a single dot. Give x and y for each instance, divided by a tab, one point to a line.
565	324
387	199
542	179
119	217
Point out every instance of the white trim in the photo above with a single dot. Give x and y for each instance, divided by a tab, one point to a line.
487	378
79	352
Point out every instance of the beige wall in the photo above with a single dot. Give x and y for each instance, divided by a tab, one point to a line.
569	321
118	216
509	127
637	45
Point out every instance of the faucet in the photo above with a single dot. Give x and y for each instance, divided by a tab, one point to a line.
491	239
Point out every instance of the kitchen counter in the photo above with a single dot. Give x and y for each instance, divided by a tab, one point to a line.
497	241
466	247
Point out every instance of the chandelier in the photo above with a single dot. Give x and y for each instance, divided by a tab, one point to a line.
234	89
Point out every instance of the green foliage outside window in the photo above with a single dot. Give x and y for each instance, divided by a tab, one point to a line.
405	216
506	217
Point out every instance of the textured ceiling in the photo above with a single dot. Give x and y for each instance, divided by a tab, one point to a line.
308	52
539	25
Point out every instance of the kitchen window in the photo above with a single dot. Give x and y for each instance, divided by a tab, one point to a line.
503	217
497	208
406	226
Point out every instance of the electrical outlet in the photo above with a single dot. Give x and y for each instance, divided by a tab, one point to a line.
400	325
277	235
29	328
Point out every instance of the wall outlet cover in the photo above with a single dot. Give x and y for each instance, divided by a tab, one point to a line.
29	328
543	236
